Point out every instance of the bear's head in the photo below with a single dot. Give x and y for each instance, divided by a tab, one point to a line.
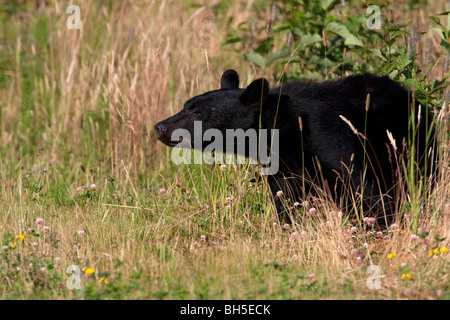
227	108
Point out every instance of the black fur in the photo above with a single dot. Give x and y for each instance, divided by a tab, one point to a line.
327	153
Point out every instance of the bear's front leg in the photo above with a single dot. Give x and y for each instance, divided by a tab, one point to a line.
377	205
285	192
374	203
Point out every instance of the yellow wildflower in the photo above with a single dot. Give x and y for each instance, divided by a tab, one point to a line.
391	255
406	275
444	249
104	280
20	236
436	251
89	271
14	244
430	253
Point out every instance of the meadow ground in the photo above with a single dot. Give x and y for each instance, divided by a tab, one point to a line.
85	183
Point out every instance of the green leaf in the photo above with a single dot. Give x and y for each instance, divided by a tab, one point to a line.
397	33
435	20
231	40
409	82
393	74
436	237
325	4
256	58
440	32
448	22
390	42
277	29
445	45
342	30
403	61
308	39
278	55
378	53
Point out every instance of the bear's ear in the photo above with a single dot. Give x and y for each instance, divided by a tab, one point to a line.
256	92
230	80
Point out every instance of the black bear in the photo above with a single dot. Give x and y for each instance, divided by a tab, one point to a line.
333	136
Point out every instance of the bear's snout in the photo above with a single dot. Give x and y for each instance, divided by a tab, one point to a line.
161	132
160	128
164	132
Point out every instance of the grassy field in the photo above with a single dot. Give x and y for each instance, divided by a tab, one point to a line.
85	183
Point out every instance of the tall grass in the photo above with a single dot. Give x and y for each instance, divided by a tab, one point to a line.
77	148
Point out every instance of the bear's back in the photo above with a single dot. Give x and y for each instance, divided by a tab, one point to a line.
353	89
